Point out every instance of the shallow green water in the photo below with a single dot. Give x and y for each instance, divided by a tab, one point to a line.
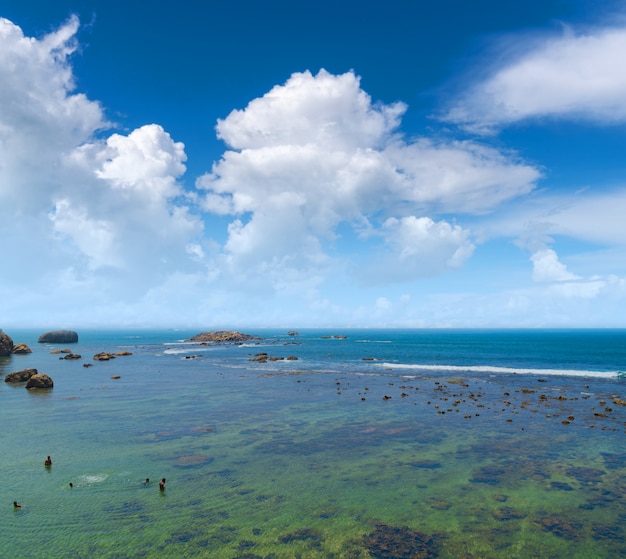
278	463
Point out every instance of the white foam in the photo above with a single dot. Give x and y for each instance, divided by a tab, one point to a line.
193	349
504	370
94	478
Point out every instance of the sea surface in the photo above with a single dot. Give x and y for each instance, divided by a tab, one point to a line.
382	444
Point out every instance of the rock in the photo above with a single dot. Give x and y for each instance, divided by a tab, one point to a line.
71	356
103	356
39	381
20	376
260	357
20	349
222	336
59	337
6	344
292	333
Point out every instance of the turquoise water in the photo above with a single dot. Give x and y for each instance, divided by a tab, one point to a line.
383	444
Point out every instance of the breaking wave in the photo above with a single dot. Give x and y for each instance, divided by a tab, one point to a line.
505	370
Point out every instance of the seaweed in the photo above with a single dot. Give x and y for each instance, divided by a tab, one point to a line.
400	542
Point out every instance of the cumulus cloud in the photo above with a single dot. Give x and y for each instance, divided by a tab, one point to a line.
324	109
91	211
419	247
547	267
43	117
575	75
126	214
317	153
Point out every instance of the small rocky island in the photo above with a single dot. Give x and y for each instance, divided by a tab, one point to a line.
222	336
59	337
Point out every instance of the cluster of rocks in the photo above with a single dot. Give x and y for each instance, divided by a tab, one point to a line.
222	336
106	356
68	355
8	348
264	358
31	377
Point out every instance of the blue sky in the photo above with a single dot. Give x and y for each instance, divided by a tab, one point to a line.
331	164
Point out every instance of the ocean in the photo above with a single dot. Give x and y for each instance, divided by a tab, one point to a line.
342	443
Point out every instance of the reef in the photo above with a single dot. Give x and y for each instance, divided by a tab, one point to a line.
400	542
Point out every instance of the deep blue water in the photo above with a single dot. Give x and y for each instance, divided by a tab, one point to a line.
483	443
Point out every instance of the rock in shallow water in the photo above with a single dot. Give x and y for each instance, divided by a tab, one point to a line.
39	381
20	376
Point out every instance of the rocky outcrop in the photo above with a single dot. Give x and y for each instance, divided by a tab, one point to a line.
20	349
59	337
6	344
39	381
20	376
222	336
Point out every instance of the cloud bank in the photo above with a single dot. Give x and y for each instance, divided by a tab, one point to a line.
319	211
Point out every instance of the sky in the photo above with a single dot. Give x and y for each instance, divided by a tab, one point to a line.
204	164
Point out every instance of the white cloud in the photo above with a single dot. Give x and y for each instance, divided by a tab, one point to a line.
96	214
419	247
42	118
316	153
317	186
580	76
324	109
146	159
547	267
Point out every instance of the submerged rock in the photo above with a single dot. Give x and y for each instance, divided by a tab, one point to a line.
222	336
39	381
59	337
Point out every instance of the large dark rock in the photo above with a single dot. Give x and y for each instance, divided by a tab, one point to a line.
59	337
20	376
6	344
222	336
39	381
